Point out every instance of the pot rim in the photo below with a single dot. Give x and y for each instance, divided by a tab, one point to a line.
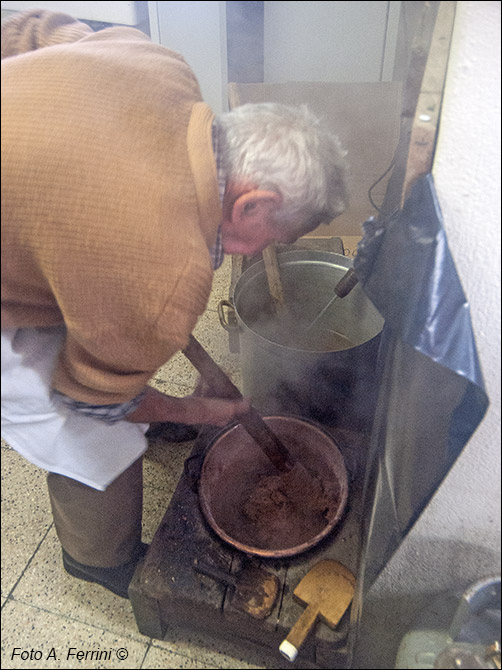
303	256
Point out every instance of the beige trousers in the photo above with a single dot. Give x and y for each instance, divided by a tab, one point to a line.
99	528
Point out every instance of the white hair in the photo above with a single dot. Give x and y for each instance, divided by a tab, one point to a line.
287	150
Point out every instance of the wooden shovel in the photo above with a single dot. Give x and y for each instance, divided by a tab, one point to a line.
327	590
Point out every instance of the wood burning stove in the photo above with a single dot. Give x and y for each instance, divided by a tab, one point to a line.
168	590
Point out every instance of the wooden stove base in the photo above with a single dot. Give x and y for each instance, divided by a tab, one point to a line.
166	590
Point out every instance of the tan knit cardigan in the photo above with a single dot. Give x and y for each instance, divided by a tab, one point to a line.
109	200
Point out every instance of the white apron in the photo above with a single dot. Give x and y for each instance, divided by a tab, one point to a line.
47	433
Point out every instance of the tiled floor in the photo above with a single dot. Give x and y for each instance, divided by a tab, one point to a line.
49	616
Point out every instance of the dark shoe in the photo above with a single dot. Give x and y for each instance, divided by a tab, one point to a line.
173	432
116	579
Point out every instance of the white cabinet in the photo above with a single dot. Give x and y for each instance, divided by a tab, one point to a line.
196	30
330	41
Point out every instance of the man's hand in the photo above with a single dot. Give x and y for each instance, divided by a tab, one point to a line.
157	407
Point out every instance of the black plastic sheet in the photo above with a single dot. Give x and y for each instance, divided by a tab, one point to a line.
431	396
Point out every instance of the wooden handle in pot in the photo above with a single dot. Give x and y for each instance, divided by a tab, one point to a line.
223	387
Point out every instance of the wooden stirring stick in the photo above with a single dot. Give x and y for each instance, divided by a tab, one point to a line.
251	420
274	279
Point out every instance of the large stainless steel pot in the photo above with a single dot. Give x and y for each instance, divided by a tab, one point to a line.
331	384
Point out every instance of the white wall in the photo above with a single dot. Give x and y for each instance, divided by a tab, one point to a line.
467	175
456	541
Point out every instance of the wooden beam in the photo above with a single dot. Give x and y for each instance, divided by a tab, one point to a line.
427	113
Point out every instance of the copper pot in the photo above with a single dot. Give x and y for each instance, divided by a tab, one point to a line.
251	516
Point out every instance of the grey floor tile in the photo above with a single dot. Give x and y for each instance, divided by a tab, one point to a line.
162	658
215	653
26	514
163	464
155	503
221	284
46	585
56	642
166	378
214	339
178	373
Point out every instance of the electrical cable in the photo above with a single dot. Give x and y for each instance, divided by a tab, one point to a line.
377	182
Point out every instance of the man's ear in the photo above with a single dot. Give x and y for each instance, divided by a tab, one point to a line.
254	206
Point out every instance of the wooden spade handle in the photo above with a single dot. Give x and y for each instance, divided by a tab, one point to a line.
274	277
251	420
290	646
